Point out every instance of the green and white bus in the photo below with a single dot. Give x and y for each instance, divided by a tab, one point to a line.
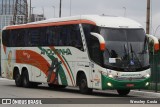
89	51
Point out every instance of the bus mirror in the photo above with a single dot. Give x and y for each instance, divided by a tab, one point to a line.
101	40
155	41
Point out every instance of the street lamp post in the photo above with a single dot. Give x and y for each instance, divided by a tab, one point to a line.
54	10
148	17
60	5
70	7
124	11
30	11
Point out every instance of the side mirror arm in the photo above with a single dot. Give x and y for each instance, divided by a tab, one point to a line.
101	40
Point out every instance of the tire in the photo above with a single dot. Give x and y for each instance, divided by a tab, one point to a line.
123	92
25	80
83	86
18	80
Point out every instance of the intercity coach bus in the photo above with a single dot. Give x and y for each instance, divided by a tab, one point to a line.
88	51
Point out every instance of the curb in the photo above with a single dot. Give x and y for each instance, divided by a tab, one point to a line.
145	92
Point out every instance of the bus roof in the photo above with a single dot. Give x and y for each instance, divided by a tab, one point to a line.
103	21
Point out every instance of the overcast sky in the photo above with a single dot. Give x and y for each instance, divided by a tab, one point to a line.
135	9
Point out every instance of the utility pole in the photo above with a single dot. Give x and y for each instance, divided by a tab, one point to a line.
70	7
60	5
30	14
148	17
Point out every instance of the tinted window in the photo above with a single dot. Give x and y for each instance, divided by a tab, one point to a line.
123	34
35	37
68	35
5	38
93	43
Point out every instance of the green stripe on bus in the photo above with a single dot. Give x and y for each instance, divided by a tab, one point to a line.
69	67
61	70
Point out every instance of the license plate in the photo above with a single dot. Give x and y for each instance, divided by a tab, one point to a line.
130	85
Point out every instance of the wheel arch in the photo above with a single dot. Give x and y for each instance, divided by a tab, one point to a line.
15	71
79	73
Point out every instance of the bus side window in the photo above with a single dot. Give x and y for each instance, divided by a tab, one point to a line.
20	38
43	37
96	54
63	36
35	37
13	38
93	44
75	37
5	37
26	38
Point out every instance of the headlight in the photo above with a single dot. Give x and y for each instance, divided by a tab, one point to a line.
147	83
147	76
109	84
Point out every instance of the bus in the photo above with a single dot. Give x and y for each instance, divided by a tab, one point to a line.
88	51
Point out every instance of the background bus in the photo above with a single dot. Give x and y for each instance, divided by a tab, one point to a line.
89	51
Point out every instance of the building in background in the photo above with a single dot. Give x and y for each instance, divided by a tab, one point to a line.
6	12
7	7
37	17
16	12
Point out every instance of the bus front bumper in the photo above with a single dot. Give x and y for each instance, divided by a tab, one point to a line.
110	83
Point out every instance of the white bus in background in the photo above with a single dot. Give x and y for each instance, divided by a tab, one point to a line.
89	51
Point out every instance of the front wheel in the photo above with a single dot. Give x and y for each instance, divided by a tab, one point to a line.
83	86
123	92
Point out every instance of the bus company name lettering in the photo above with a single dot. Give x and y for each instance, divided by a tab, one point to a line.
59	51
26	54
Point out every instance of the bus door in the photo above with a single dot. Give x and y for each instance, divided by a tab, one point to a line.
96	57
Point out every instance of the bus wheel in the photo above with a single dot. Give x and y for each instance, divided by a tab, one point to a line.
123	92
18	80
83	87
25	80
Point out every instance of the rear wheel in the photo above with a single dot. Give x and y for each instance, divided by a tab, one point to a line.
18	80
25	80
83	86
123	92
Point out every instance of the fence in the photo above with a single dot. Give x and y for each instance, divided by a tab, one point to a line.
155	70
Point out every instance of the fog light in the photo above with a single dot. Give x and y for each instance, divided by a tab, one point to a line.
147	83
147	76
111	76
109	84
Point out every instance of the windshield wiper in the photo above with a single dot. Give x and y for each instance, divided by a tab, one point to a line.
133	53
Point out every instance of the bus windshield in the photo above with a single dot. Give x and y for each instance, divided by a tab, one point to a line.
126	49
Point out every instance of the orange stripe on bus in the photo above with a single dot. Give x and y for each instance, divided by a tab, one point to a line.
51	24
32	58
